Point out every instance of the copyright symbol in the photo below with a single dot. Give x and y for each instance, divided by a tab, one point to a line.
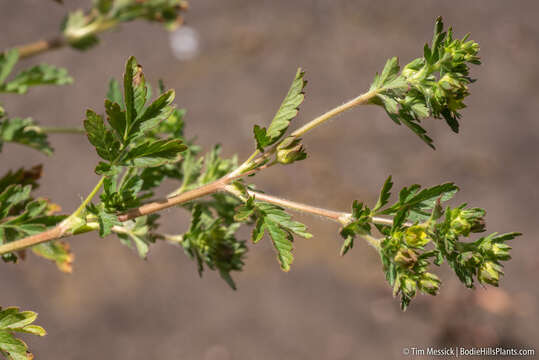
406	351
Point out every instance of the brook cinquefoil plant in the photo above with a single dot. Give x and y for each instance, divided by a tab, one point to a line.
141	142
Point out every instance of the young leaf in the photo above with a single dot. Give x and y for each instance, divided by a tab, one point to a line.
287	111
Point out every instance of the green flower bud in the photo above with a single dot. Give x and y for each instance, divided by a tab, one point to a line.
287	156
429	283
470	258
290	150
405	257
466	221
501	251
461	226
408	286
416	236
489	273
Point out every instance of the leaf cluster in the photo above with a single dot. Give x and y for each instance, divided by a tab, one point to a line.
434	85
419	221
12	320
81	28
211	240
21	216
41	74
123	140
26	131
277	223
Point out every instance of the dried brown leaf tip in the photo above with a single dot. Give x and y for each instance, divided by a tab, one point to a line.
139	76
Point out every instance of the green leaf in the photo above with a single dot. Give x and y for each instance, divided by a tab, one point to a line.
385	193
136	233
37	75
11	321
154	153
211	242
155	113
25	132
26	217
106	219
8	60
21	177
135	91
11	196
104	141
359	225
115	118
287	111
410	198
57	251
261	138
120	196
282	242
277	223
114	93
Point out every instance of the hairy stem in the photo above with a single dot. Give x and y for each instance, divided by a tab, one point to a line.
38	47
159	205
340	217
360	100
253	160
54	233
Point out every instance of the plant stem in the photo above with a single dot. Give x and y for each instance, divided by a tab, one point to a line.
360	100
61	130
162	204
39	47
372	241
340	217
54	233
64	228
86	201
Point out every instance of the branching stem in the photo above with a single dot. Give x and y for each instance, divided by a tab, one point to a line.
66	227
253	160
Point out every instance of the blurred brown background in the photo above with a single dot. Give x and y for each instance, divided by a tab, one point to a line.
116	306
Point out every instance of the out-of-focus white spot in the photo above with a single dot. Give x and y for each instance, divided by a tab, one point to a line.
184	43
